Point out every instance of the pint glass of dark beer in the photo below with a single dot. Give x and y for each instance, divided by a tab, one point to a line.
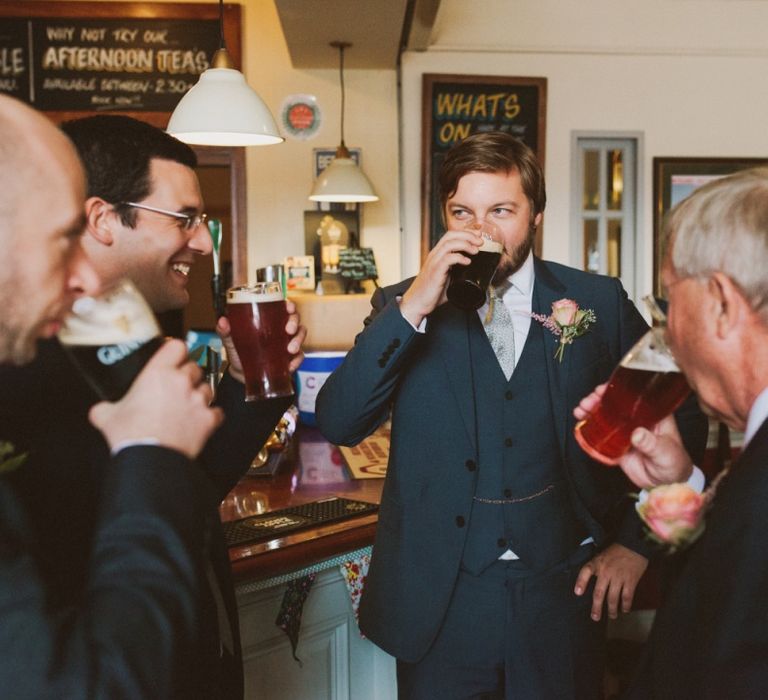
110	338
257	316
645	387
468	284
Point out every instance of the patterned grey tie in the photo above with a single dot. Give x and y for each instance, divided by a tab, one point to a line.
500	332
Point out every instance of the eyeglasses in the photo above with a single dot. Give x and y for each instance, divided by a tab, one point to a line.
191	221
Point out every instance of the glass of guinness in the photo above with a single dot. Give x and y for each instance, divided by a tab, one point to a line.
468	284
257	316
110	338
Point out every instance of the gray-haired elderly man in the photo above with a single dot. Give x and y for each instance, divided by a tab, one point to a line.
710	637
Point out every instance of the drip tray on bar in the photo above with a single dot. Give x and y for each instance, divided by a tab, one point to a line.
267	526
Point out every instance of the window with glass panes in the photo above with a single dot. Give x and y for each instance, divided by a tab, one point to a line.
604	187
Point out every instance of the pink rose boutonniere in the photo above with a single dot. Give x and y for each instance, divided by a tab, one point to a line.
567	322
674	513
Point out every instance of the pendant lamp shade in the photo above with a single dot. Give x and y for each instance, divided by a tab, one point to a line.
223	110
342	180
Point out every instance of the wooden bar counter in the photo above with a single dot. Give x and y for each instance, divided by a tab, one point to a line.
311	470
333	653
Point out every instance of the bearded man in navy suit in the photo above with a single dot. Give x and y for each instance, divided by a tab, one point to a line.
499	541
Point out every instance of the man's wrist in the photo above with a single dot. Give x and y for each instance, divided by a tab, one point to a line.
416	321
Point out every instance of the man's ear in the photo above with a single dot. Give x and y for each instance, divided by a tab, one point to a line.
730	302
99	219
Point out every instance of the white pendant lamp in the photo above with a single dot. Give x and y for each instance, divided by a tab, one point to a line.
342	180
222	109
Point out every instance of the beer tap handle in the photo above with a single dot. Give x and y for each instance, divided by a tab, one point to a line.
219	296
212	367
219	300
657	313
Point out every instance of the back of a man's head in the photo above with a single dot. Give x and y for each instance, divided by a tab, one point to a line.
723	227
117	151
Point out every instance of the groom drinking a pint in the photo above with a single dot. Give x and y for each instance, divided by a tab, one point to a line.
490	510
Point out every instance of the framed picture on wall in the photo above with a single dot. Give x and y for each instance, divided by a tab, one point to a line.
455	106
673	180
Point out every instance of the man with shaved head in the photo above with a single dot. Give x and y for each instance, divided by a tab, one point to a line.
145	221
133	629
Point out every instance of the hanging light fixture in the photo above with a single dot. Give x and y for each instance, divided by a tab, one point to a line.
342	180
222	109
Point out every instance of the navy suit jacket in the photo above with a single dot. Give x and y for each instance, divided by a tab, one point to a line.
710	637
133	632
425	380
61	491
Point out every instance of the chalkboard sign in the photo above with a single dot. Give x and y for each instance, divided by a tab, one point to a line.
455	106
134	58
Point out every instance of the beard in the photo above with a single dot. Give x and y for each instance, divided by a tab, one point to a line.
18	344
18	339
512	260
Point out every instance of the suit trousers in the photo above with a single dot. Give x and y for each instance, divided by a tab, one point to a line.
513	634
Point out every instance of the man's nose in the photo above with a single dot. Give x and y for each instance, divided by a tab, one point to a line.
200	241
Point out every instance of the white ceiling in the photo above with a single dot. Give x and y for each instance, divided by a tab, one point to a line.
375	28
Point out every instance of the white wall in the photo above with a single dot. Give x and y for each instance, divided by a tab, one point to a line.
691	76
280	177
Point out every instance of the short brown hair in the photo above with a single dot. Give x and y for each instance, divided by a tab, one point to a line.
493	152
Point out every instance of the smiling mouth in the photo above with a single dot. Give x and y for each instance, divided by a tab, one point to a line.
181	268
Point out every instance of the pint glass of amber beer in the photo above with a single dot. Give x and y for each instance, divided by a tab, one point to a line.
468	284
645	387
257	316
110	337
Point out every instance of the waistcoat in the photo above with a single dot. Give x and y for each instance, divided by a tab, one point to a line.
521	499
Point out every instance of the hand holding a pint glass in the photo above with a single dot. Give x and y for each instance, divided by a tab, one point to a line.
110	337
260	327
645	388
656	455
459	268
168	403
293	328
468	284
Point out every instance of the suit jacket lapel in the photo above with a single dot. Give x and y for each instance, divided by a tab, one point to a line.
452	339
546	290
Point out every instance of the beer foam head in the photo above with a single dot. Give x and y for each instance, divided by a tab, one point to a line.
120	315
651	354
256	293
490	246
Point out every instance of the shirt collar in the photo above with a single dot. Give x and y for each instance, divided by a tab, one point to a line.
757	415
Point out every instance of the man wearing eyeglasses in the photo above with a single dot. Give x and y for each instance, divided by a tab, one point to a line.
145	221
